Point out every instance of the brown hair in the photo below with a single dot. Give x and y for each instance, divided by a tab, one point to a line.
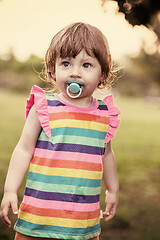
71	40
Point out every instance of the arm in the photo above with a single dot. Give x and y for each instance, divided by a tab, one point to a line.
19	163
111	183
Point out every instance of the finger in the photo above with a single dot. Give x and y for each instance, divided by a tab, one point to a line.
107	216
6	221
113	211
109	207
14	207
4	216
110	212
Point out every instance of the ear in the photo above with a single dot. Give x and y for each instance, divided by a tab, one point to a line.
54	77
102	78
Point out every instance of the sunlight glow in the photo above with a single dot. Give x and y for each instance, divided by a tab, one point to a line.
27	26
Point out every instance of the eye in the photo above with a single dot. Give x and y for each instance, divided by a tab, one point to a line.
86	65
65	63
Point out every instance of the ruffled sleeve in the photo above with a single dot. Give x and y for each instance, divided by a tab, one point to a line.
38	99
113	118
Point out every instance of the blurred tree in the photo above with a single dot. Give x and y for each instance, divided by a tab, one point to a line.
141	76
20	76
148	66
137	12
144	72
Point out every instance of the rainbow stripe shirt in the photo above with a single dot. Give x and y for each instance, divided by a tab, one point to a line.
61	198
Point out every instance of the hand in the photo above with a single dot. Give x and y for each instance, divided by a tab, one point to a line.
9	200
111	201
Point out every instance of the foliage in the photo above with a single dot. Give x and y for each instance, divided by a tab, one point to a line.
140	12
147	65
142	73
139	76
136	148
20	76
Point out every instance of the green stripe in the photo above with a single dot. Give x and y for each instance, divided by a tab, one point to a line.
50	97
36	230
78	132
101	102
73	139
73	181
63	188
44	136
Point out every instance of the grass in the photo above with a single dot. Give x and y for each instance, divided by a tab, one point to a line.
136	148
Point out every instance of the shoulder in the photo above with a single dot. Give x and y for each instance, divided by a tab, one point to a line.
112	112
38	100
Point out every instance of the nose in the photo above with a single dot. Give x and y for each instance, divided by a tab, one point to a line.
75	72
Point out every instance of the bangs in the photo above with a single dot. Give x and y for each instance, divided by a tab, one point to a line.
74	40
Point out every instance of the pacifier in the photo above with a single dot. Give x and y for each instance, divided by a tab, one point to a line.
74	86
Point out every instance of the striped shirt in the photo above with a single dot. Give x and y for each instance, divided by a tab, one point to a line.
61	198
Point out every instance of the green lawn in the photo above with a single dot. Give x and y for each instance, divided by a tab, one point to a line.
136	148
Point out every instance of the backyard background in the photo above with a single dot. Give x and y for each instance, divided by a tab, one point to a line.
137	143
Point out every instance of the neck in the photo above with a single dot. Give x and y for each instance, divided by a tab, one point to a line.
84	102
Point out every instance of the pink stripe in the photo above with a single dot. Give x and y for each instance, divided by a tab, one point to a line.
36	97
52	109
74	156
48	204
79	108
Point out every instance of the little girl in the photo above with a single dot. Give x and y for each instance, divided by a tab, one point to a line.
66	143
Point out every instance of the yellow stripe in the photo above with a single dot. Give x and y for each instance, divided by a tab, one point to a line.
62	222
79	124
65	172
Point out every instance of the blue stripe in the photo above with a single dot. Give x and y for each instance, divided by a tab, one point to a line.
65	197
64	180
102	107
78	132
55	229
55	103
67	147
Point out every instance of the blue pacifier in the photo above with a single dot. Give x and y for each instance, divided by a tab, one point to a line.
74	86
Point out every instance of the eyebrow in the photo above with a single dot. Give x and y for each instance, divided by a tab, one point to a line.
60	58
86	58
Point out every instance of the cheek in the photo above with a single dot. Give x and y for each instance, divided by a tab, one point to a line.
60	83
57	71
58	76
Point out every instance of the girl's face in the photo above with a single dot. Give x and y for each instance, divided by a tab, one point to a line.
82	67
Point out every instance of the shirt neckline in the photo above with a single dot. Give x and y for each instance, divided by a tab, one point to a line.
92	107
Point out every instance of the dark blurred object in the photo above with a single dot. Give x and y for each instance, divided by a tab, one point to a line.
139	12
